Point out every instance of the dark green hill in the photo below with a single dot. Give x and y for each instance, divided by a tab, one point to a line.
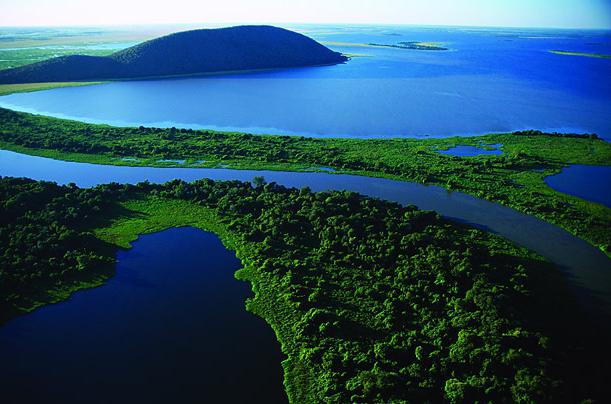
184	53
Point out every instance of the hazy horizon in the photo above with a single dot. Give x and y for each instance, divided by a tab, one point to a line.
558	14
289	24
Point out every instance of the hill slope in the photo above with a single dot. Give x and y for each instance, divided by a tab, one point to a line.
183	53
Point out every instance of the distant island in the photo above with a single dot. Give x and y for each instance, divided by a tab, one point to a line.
414	45
203	51
583	54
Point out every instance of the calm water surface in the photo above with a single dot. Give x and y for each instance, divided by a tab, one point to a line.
491	80
588	268
170	327
588	182
471	151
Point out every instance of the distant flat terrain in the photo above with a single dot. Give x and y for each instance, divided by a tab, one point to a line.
22	46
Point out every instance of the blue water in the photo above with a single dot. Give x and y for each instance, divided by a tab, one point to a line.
491	80
588	182
471	151
588	269
170	327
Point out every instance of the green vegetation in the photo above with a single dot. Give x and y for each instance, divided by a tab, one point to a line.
21	47
514	178
15	57
371	301
6	89
588	55
147	214
45	254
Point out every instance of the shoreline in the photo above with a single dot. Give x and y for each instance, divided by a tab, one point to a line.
75	83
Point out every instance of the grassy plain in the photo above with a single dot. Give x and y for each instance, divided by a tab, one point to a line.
6	89
10	58
150	215
21	46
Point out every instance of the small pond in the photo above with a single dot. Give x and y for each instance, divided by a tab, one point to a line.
471	151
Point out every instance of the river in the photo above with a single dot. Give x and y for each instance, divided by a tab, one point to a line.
588	269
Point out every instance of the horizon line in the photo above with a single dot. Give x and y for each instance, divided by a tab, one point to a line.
236	23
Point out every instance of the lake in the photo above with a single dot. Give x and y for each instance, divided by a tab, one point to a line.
481	84
170	326
588	182
588	269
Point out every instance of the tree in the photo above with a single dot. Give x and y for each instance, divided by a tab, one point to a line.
259	181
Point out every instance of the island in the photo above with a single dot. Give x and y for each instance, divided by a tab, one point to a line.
413	45
203	51
582	54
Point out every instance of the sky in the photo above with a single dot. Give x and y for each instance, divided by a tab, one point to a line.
507	13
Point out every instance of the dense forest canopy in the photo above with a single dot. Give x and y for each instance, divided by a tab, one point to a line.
371	301
185	53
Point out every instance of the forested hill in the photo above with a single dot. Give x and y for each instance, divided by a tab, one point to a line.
183	53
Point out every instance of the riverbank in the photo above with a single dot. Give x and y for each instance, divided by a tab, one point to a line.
515	178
